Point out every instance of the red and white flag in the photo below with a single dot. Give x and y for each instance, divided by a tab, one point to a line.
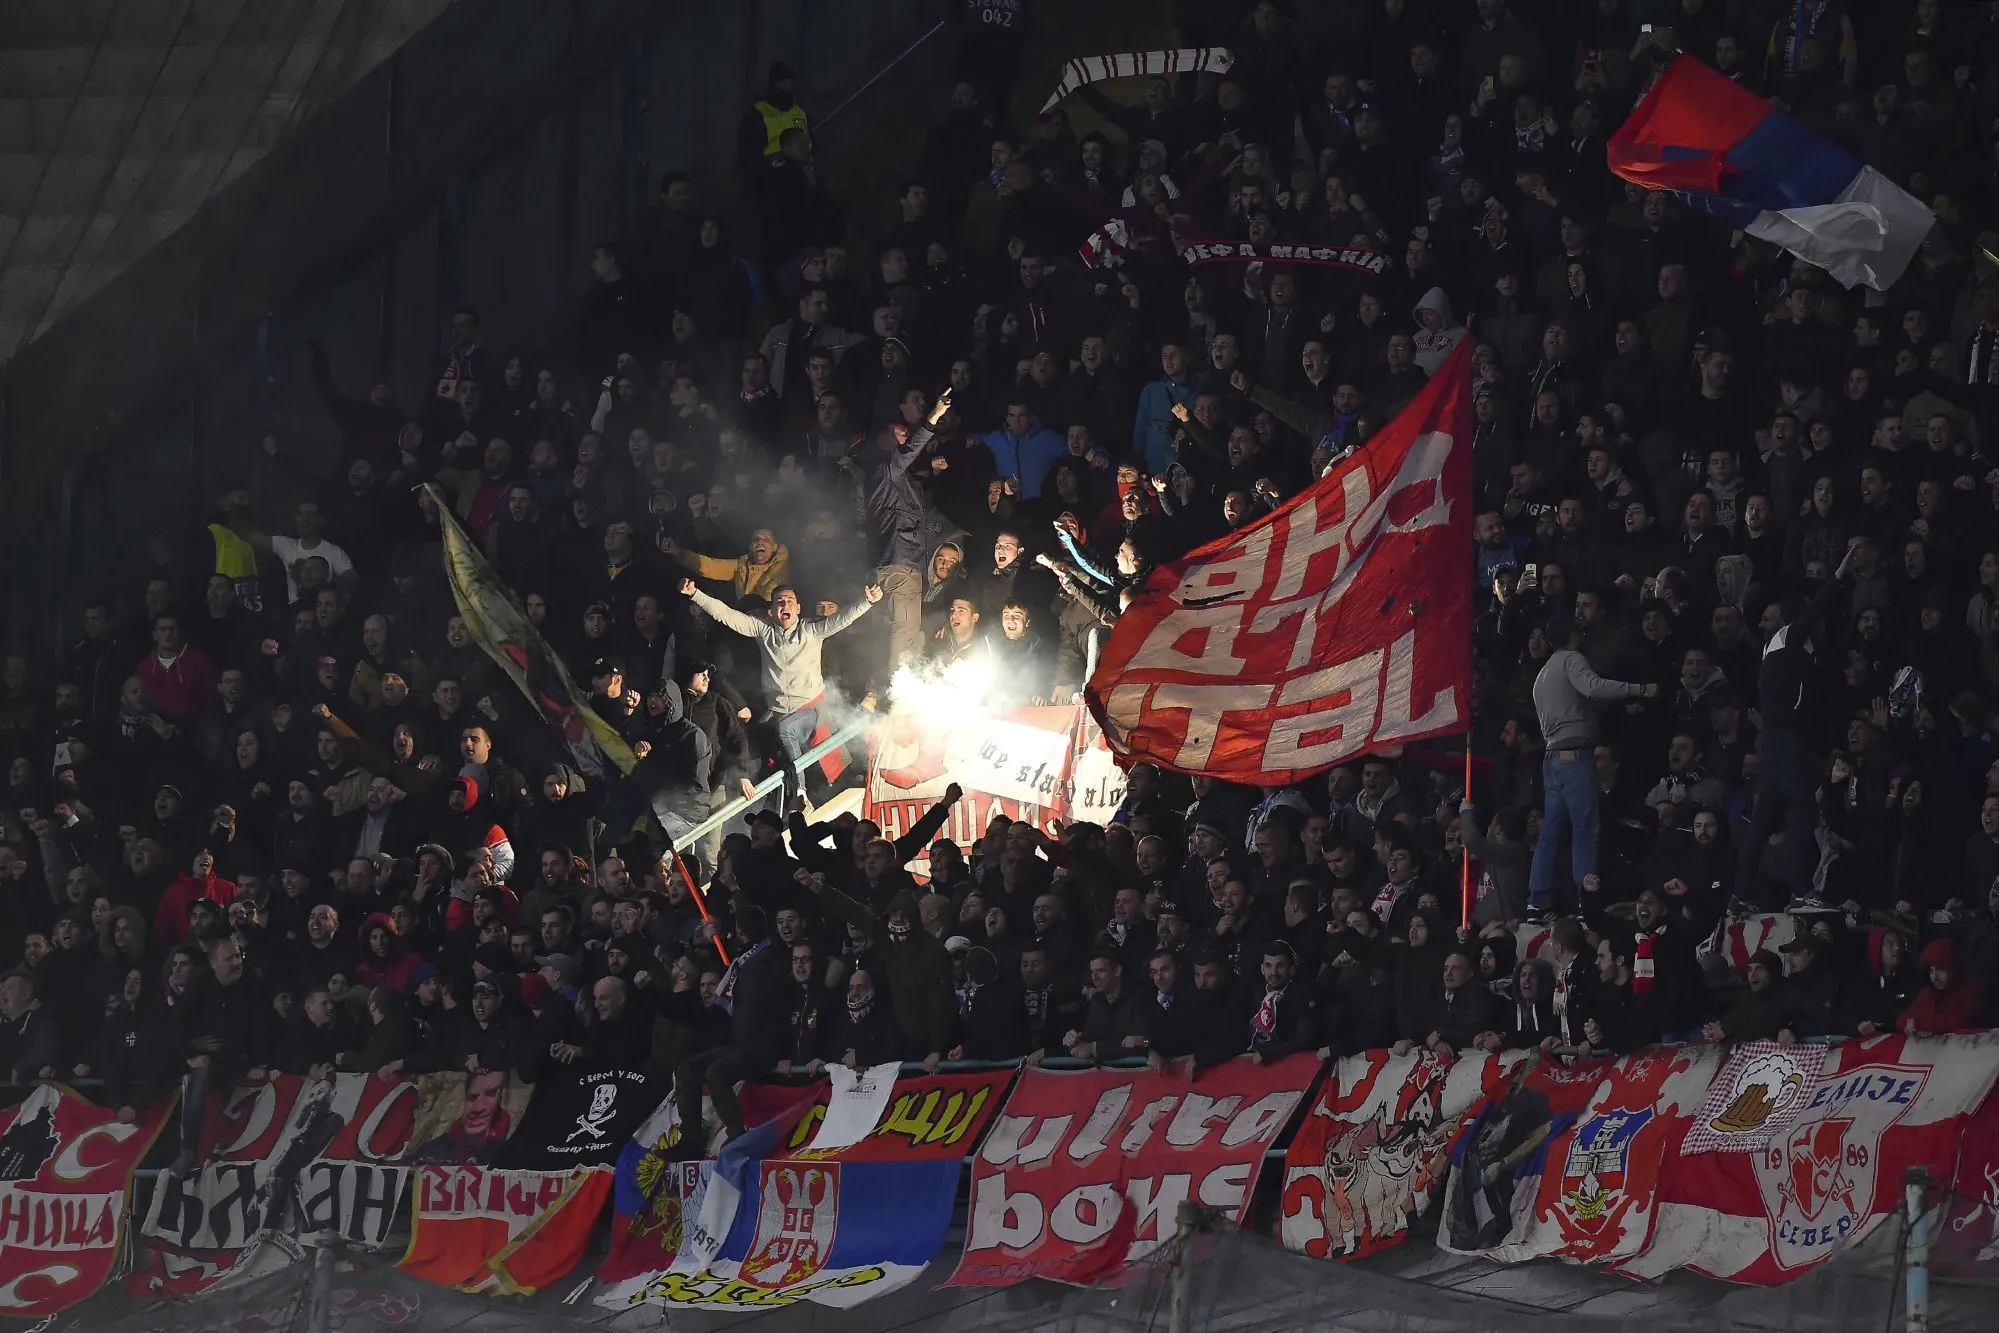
1370	1157
1339	622
1834	1149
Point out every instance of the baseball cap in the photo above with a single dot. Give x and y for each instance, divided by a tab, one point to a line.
605	666
956	945
765	816
564	963
486	984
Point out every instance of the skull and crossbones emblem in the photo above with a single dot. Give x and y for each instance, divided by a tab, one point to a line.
592	1122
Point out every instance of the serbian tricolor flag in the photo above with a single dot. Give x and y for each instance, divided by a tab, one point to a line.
1735	155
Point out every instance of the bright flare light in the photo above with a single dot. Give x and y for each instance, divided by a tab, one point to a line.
943	699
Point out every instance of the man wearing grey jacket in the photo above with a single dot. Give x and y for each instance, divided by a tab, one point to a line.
1565	697
788	646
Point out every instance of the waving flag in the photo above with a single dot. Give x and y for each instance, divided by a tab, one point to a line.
494	617
1735	155
1338	622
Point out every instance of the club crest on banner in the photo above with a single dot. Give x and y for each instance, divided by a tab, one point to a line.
1755	1098
798	1215
1818	1182
1593	1200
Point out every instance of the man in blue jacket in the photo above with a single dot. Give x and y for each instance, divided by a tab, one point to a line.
1024	448
1153	430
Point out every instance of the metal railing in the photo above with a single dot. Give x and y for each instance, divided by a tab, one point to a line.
776	781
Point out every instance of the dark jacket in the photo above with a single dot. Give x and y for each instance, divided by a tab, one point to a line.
1463	1014
233	1014
894	509
918	968
1106	1025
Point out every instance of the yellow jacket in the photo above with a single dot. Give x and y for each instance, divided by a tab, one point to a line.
745	574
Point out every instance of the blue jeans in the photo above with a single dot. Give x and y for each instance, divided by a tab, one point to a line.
794	732
1569	803
1787	799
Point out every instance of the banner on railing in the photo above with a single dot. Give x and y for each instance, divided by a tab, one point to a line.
1084	1171
65	1186
776	1220
1834	1153
1568	1165
280	1157
1369	1159
1043	765
517	1226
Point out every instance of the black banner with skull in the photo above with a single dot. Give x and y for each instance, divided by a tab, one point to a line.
581	1117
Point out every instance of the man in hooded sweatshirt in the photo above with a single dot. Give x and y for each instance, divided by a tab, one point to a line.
1952	1002
1438	331
918	968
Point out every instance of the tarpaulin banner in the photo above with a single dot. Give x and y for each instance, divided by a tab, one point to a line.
1369	1159
580	1117
65	1184
509	1232
1339	622
1084	1171
1047	766
775	1221
464	1119
1834	1169
1588	1193
279	1157
1497	1164
1965	1243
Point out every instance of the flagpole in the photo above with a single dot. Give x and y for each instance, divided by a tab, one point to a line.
702	904
1464	852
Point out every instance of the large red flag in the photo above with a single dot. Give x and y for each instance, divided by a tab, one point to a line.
1338	623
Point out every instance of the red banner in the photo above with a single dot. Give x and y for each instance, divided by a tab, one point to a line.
65	1182
1808	1163
1283	648
1084	1171
279	1157
1370	1158
506	1232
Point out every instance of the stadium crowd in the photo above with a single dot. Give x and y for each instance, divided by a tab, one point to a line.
1738	641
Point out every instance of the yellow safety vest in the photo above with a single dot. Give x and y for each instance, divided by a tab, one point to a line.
776	122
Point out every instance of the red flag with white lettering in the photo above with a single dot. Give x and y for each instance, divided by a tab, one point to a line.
1083	1171
1337	623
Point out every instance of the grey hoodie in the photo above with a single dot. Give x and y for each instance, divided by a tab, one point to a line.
791	674
1433	347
